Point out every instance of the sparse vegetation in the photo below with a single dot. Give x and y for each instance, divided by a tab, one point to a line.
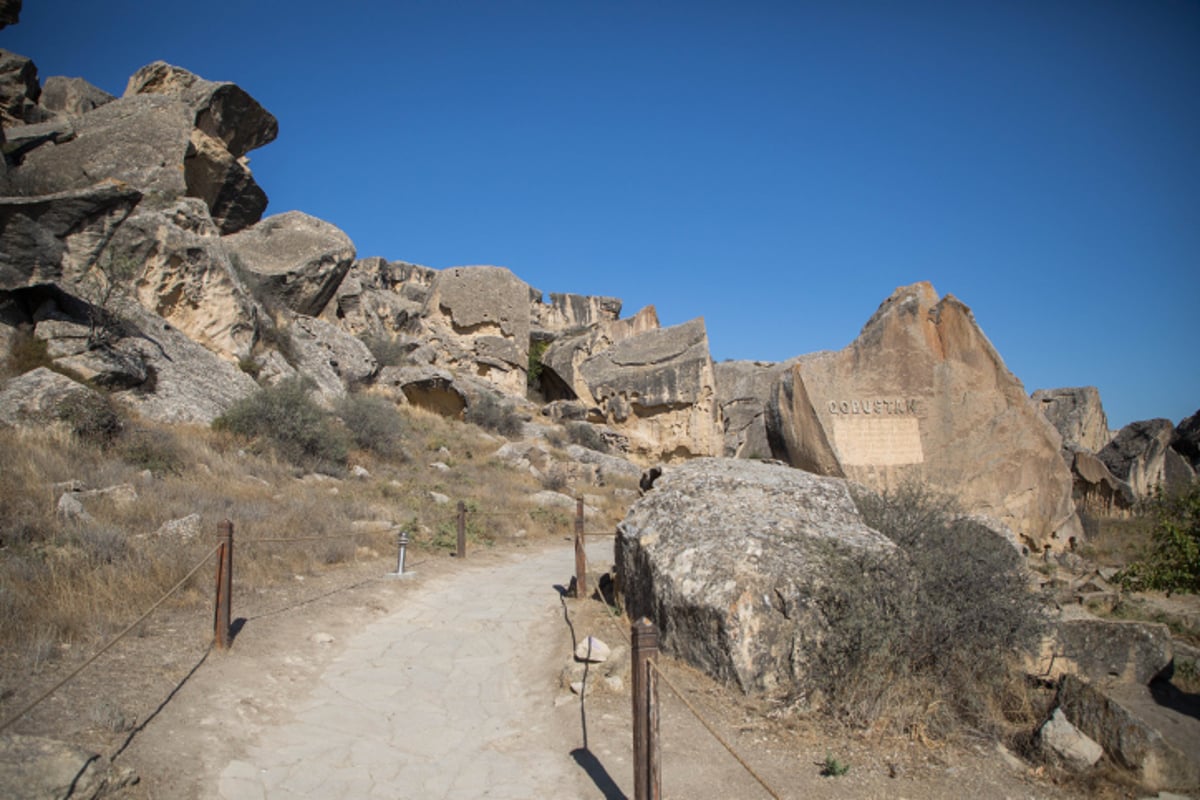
935	650
286	418
388	350
490	413
586	435
374	424
1172	563
832	768
537	349
93	417
27	352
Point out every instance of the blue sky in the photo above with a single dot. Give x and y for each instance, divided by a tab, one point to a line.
777	168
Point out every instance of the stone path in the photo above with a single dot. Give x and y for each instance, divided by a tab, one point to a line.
450	697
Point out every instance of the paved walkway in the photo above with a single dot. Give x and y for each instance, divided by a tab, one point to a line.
450	697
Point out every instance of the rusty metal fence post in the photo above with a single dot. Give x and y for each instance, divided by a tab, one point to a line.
647	780
221	615
462	529
580	552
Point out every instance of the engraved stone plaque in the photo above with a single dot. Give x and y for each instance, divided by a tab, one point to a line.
877	441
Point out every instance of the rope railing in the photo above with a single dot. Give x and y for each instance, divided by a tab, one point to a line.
41	698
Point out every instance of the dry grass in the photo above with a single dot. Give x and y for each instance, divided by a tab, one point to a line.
68	582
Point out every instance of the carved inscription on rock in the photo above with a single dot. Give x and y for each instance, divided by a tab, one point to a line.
877	441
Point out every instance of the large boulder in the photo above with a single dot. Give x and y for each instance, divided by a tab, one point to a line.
185	276
223	182
141	141
58	238
732	561
72	96
1105	650
32	397
561	377
1186	441
743	391
1077	415
572	312
222	110
1141	455
378	298
477	320
922	395
10	13
334	359
19	90
292	260
658	388
1097	490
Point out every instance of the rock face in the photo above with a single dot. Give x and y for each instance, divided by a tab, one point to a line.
730	558
1077	415
659	389
743	390
19	90
330	356
921	394
72	96
561	376
33	396
292	260
566	312
1187	440
477	320
187	277
378	298
1141	455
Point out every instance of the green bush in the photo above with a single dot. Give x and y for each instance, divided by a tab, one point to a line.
537	349
374	424
1173	561
940	642
287	418
489	413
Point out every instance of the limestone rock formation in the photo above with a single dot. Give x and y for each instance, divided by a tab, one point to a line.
222	110
141	141
10	13
223	182
658	388
19	90
58	238
1141	455
424	386
72	96
922	394
567	312
729	559
186	276
1077	415
1104	650
743	390
378	298
32	397
477	320
1097	490
292	260
330	356
1186	441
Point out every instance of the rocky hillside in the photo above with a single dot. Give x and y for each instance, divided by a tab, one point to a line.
135	260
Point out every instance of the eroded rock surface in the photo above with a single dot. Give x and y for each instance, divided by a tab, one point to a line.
922	394
1077	415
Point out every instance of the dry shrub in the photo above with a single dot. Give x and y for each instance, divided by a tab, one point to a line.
936	650
374	425
286	418
492	414
586	435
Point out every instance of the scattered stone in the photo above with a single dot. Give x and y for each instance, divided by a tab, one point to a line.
439	498
322	639
592	650
439	466
185	528
1064	740
69	507
359	471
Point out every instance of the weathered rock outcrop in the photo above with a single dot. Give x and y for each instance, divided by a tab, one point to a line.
1097	490
19	90
223	182
378	298
222	110
10	13
1186	441
566	312
477	320
1141	455
659	389
730	559
31	398
743	390
292	260
57	238
330	356
1077	415
72	96
561	378
186	276
922	394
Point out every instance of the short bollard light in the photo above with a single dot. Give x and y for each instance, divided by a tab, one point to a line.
402	547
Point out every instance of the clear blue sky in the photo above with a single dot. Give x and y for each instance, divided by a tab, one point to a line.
777	168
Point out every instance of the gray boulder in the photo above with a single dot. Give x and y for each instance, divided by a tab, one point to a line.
1066	742
330	356
114	366
223	182
10	13
19	90
58	238
292	260
1141	455
733	561
1106	650
222	110
743	390
1186	440
72	96
141	141
378	298
1097	490
32	397
424	386
567	312
1077	415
